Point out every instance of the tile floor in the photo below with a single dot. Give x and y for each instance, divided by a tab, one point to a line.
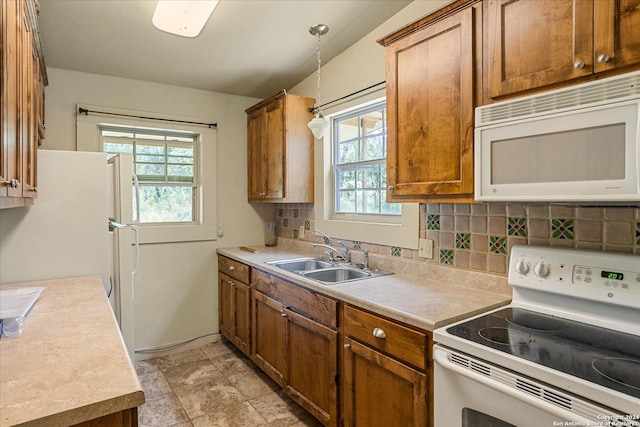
215	385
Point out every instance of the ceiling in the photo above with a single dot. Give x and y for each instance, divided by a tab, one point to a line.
248	47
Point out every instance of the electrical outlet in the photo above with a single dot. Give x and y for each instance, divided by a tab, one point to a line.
425	248
301	232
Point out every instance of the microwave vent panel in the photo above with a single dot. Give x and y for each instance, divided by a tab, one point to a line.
581	96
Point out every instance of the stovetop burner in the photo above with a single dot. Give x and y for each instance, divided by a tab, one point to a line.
505	336
536	322
602	356
619	370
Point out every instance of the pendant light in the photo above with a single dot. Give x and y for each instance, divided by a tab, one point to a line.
318	124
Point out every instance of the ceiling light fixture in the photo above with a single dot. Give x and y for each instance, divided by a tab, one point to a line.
183	17
318	124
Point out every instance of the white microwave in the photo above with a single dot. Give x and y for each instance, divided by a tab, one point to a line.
574	145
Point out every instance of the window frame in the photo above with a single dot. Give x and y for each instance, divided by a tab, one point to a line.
196	181
389	230
336	120
88	139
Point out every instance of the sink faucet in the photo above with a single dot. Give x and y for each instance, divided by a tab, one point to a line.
345	254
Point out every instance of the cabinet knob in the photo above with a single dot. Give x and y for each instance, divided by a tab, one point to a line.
282	313
347	346
232	268
603	57
379	333
390	188
230	283
14	183
579	64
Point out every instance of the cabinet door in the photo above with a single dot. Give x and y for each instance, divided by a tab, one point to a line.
268	335
233	311
616	34
11	67
536	43
255	134
380	391
311	375
225	306
430	88
273	165
242	303
28	136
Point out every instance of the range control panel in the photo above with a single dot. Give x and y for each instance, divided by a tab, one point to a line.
586	274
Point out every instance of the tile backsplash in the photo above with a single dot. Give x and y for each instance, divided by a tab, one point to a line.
479	236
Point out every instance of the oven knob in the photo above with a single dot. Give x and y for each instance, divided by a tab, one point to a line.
541	270
522	267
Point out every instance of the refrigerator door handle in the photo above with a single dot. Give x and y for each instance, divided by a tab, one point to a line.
136	186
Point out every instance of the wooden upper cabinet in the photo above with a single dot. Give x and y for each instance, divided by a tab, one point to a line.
431	72
280	150
22	100
538	43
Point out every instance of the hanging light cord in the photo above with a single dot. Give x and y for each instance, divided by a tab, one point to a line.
317	108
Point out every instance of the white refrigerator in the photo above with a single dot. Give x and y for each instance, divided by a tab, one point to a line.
66	232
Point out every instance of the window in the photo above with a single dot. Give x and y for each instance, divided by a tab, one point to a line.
350	192
165	162
360	169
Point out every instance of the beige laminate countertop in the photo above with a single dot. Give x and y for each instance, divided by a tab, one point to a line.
423	302
70	364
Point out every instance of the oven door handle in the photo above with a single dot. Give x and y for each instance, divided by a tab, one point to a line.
441	358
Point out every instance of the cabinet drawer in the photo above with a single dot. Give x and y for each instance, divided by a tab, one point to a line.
396	340
232	268
299	299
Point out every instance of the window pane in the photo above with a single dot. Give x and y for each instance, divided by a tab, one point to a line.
166	203
117	147
158	149
370	201
345	201
180	173
345	179
348	152
150	171
348	129
149	159
374	148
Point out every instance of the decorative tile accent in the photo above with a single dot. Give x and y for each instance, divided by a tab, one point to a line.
638	233
307	225
497	245
562	229
326	240
446	256
280	212
516	226
295	213
285	222
396	251
463	241
296	233
433	222
357	246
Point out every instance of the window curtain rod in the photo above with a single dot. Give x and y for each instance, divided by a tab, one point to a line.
313	109
86	113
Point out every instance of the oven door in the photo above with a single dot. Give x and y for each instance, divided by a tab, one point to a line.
469	392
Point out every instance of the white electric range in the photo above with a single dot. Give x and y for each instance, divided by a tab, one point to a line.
565	352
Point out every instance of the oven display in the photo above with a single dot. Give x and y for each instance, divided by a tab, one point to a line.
612	275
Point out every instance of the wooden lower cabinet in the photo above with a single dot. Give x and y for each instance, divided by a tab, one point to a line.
234	311
385	372
234	302
380	391
267	334
311	374
295	341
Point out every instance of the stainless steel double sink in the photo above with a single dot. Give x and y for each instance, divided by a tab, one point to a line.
326	272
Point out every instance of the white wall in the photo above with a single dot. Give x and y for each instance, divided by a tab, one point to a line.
176	289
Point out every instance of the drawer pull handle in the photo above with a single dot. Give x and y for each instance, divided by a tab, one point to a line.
232	268
282	313
379	333
231	283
